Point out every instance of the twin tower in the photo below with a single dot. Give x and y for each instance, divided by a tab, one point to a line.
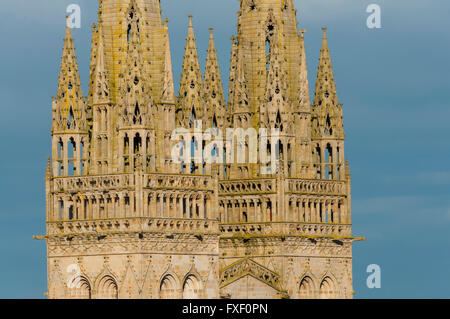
124	220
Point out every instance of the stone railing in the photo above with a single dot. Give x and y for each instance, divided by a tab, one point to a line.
125	181
316	187
182	182
254	186
132	224
92	183
286	228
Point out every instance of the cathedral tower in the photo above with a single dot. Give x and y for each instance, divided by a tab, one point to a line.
126	219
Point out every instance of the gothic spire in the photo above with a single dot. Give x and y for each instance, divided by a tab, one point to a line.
101	88
276	100
191	82
168	95
327	109
304	98
137	100
232	77
70	106
240	95
212	85
325	93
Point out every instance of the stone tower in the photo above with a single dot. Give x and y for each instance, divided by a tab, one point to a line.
128	219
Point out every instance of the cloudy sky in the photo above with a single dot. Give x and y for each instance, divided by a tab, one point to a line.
394	83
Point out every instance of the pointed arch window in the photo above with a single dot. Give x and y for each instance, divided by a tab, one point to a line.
80	289
193	118
71	151
306	288
270	31
128	32
137	115
132	20
278	123
137	144
191	288
167	288
327	289
328	129
108	288
70	119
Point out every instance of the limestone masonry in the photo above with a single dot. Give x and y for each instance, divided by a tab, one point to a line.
126	221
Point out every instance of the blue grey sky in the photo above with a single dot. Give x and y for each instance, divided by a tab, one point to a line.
394	83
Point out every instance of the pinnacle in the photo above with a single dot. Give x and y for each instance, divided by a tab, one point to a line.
304	98
325	85
69	77
168	87
70	104
212	85
101	89
191	77
136	99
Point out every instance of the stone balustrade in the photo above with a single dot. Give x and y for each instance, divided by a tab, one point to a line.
136	224
281	228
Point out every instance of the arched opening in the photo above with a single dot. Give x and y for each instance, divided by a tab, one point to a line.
318	160
81	172
126	144
60	209
126	151
137	144
80	289
108	289
137	115
327	289
329	162
328	128
270	31
60	149
71	117
167	289
71	215
306	290
193	117
191	288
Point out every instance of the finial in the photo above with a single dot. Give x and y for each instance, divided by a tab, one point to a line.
190	21
302	33
67	21
324	29
49	166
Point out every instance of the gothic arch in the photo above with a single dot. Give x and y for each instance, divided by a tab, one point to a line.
327	289
192	287
80	288
107	288
307	288
168	288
